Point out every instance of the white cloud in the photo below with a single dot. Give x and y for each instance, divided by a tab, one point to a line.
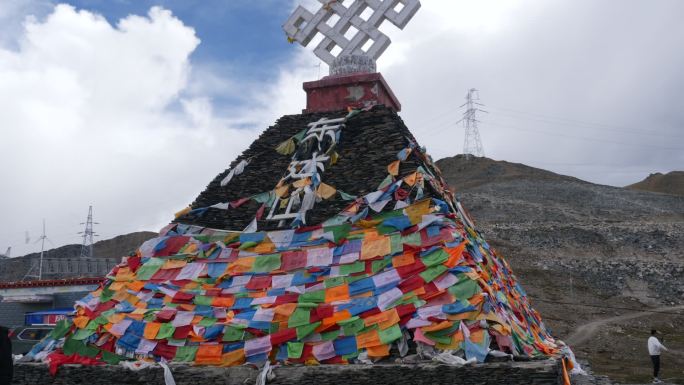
118	117
607	62
99	114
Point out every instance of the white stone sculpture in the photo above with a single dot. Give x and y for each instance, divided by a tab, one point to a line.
351	38
302	199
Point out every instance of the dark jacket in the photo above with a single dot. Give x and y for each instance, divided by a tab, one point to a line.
6	363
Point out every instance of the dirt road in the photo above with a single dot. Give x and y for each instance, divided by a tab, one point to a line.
584	332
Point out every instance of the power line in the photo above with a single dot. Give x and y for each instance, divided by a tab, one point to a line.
549	119
586	138
586	124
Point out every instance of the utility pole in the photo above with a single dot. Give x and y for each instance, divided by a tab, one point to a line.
39	275
88	234
472	144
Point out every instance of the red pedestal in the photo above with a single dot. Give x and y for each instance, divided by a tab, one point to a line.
356	90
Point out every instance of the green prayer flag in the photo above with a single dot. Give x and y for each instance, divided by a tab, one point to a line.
386	182
329	336
396	244
368	328
294	349
380	264
106	294
336	220
89	351
305	330
202	238
353	113
165	331
185	353
390	334
202	300
262	197
439	339
299	317
352	268
111	358
266	263
317	296
430	274
465	289
338	232
333	282
231	333
82	334
354	278
300	135
412	239
60	329
351	355
352	325
207	321
71	346
436	257
148	269
247	245
345	196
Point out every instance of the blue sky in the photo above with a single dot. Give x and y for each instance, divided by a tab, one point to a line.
245	35
240	39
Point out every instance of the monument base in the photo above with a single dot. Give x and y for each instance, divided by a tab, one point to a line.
334	93
545	372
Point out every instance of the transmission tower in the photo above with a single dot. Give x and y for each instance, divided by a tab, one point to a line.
472	144
88	234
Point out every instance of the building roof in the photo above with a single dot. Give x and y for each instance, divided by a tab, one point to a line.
52	282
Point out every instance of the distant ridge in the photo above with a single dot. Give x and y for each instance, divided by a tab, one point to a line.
464	174
14	269
116	247
670	183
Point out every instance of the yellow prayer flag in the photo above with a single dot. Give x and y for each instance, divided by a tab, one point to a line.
416	211
282	191
302	182
411	179
183	212
326	191
393	168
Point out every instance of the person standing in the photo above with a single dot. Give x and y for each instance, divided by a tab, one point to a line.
6	362
654	350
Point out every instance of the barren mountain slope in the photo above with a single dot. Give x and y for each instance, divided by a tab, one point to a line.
14	269
584	252
670	183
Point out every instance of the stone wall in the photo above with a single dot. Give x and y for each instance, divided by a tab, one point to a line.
513	373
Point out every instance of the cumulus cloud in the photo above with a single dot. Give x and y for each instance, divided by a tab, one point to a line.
94	113
119	116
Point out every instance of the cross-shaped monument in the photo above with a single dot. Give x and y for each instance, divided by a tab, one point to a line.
352	40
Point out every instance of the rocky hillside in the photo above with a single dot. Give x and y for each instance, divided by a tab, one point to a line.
670	183
585	252
14	269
